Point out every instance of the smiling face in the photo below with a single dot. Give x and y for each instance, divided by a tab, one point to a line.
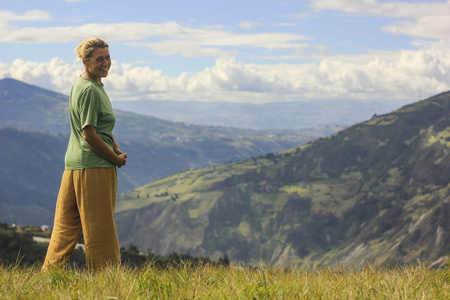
97	66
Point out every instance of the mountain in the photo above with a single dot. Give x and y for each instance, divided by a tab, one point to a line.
376	192
34	130
30	107
30	174
273	115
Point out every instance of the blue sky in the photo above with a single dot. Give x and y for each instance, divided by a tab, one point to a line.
236	50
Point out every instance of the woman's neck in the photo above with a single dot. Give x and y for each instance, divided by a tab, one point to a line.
89	75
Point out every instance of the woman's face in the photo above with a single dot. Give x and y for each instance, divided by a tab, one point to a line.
99	63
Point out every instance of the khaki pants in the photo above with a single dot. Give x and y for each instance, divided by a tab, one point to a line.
86	201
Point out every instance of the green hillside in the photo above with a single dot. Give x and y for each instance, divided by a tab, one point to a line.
30	174
34	128
375	192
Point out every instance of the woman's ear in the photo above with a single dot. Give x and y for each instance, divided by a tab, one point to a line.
84	61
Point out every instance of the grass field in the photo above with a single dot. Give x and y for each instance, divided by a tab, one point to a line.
212	282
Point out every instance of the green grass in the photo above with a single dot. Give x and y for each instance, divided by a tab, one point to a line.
212	282
186	185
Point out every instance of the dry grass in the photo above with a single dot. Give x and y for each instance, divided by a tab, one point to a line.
208	282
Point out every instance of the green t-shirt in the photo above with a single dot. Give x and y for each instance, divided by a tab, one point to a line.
88	105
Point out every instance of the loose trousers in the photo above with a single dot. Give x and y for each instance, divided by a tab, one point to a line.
86	201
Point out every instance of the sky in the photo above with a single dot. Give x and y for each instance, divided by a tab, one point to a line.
252	51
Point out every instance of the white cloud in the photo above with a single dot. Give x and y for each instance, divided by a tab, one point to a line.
111	32
396	9
345	5
434	27
176	39
285	24
7	17
423	20
412	10
378	75
56	74
184	48
31	15
247	25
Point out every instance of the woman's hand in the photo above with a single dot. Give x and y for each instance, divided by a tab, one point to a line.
123	157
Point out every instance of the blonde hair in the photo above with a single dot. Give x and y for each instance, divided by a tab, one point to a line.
85	48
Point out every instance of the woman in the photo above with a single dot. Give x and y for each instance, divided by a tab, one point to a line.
87	195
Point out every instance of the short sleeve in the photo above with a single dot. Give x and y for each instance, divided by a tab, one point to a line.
89	108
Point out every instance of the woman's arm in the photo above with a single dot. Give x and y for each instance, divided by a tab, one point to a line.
115	146
99	146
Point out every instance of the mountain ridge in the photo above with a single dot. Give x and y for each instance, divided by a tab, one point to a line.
377	192
272	115
34	129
